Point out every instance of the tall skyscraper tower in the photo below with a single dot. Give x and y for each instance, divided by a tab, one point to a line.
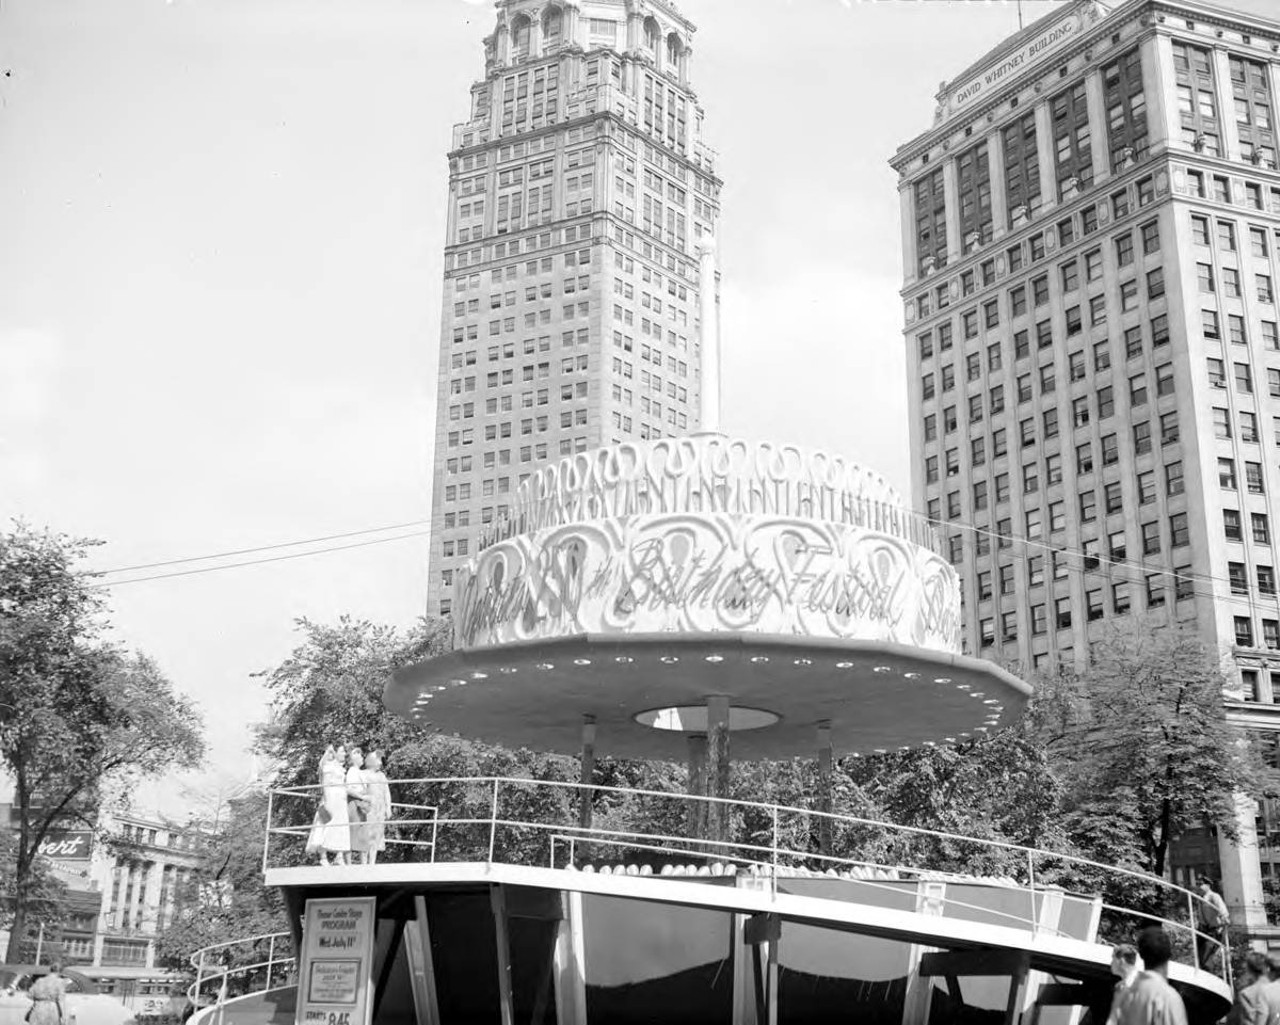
582	203
1090	234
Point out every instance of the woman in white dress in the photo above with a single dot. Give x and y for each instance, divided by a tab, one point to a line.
357	802
378	809
331	829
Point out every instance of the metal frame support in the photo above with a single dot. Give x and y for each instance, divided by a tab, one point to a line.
588	770
422	976
697	784
824	786
571	966
764	931
718	766
498	900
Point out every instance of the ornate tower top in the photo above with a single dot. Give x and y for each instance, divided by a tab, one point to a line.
651	31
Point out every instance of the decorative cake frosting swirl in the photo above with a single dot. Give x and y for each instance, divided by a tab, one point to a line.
709	534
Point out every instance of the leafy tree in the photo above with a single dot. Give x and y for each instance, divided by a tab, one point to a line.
1140	738
1001	787
329	691
46	893
77	714
225	896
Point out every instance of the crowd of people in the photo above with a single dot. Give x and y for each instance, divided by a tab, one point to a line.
1143	995
350	825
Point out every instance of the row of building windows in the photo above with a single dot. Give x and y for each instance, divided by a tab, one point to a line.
1037	247
530	425
1086	221
1162	382
1117	597
1125	118
1198	107
528	400
1073	162
1142	444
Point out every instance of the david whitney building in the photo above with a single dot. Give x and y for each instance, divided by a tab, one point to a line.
1090	232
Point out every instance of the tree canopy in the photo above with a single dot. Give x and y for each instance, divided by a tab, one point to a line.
225	897
1142	745
79	717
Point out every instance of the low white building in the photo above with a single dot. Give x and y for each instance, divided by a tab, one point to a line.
125	881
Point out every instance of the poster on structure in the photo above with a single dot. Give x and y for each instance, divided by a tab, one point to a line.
337	961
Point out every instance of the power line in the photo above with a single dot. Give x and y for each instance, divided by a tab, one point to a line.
259	562
943	525
1145	567
266	548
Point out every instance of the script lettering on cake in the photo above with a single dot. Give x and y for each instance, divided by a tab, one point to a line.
699	581
938	612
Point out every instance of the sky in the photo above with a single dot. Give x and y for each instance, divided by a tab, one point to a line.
221	236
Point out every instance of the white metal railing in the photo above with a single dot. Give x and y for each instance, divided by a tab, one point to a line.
896	874
242	960
494	819
314	793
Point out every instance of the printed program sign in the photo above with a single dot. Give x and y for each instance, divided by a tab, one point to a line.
337	961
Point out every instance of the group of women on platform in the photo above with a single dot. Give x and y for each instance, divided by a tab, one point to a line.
355	803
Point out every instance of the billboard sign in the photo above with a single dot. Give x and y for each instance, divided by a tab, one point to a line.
334	982
67	845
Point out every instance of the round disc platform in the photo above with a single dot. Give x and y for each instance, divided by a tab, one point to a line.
874	696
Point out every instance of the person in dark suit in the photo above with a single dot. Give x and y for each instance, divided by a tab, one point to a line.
1151	1000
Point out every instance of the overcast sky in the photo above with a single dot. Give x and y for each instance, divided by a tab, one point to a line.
221	231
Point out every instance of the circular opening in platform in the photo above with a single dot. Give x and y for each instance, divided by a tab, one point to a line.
693	718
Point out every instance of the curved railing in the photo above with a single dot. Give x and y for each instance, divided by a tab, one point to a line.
239	967
566	825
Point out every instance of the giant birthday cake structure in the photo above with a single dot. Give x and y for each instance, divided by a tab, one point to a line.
652	592
709	534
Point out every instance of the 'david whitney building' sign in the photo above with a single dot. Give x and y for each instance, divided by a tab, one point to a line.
1039	46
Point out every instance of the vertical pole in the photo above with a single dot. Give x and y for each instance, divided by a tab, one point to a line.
824	786
697	784
199	978
771	984
506	1006
493	820
40	943
709	337
422	978
1031	883
774	852
718	767
266	839
1017	990
1191	924
588	770
271	959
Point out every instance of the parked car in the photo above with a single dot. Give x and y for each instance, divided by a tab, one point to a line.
85	1005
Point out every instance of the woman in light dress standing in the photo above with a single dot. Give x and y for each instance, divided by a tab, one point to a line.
357	802
378	810
49	998
331	830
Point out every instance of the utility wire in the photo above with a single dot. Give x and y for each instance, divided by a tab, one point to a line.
266	548
259	562
943	525
1147	568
